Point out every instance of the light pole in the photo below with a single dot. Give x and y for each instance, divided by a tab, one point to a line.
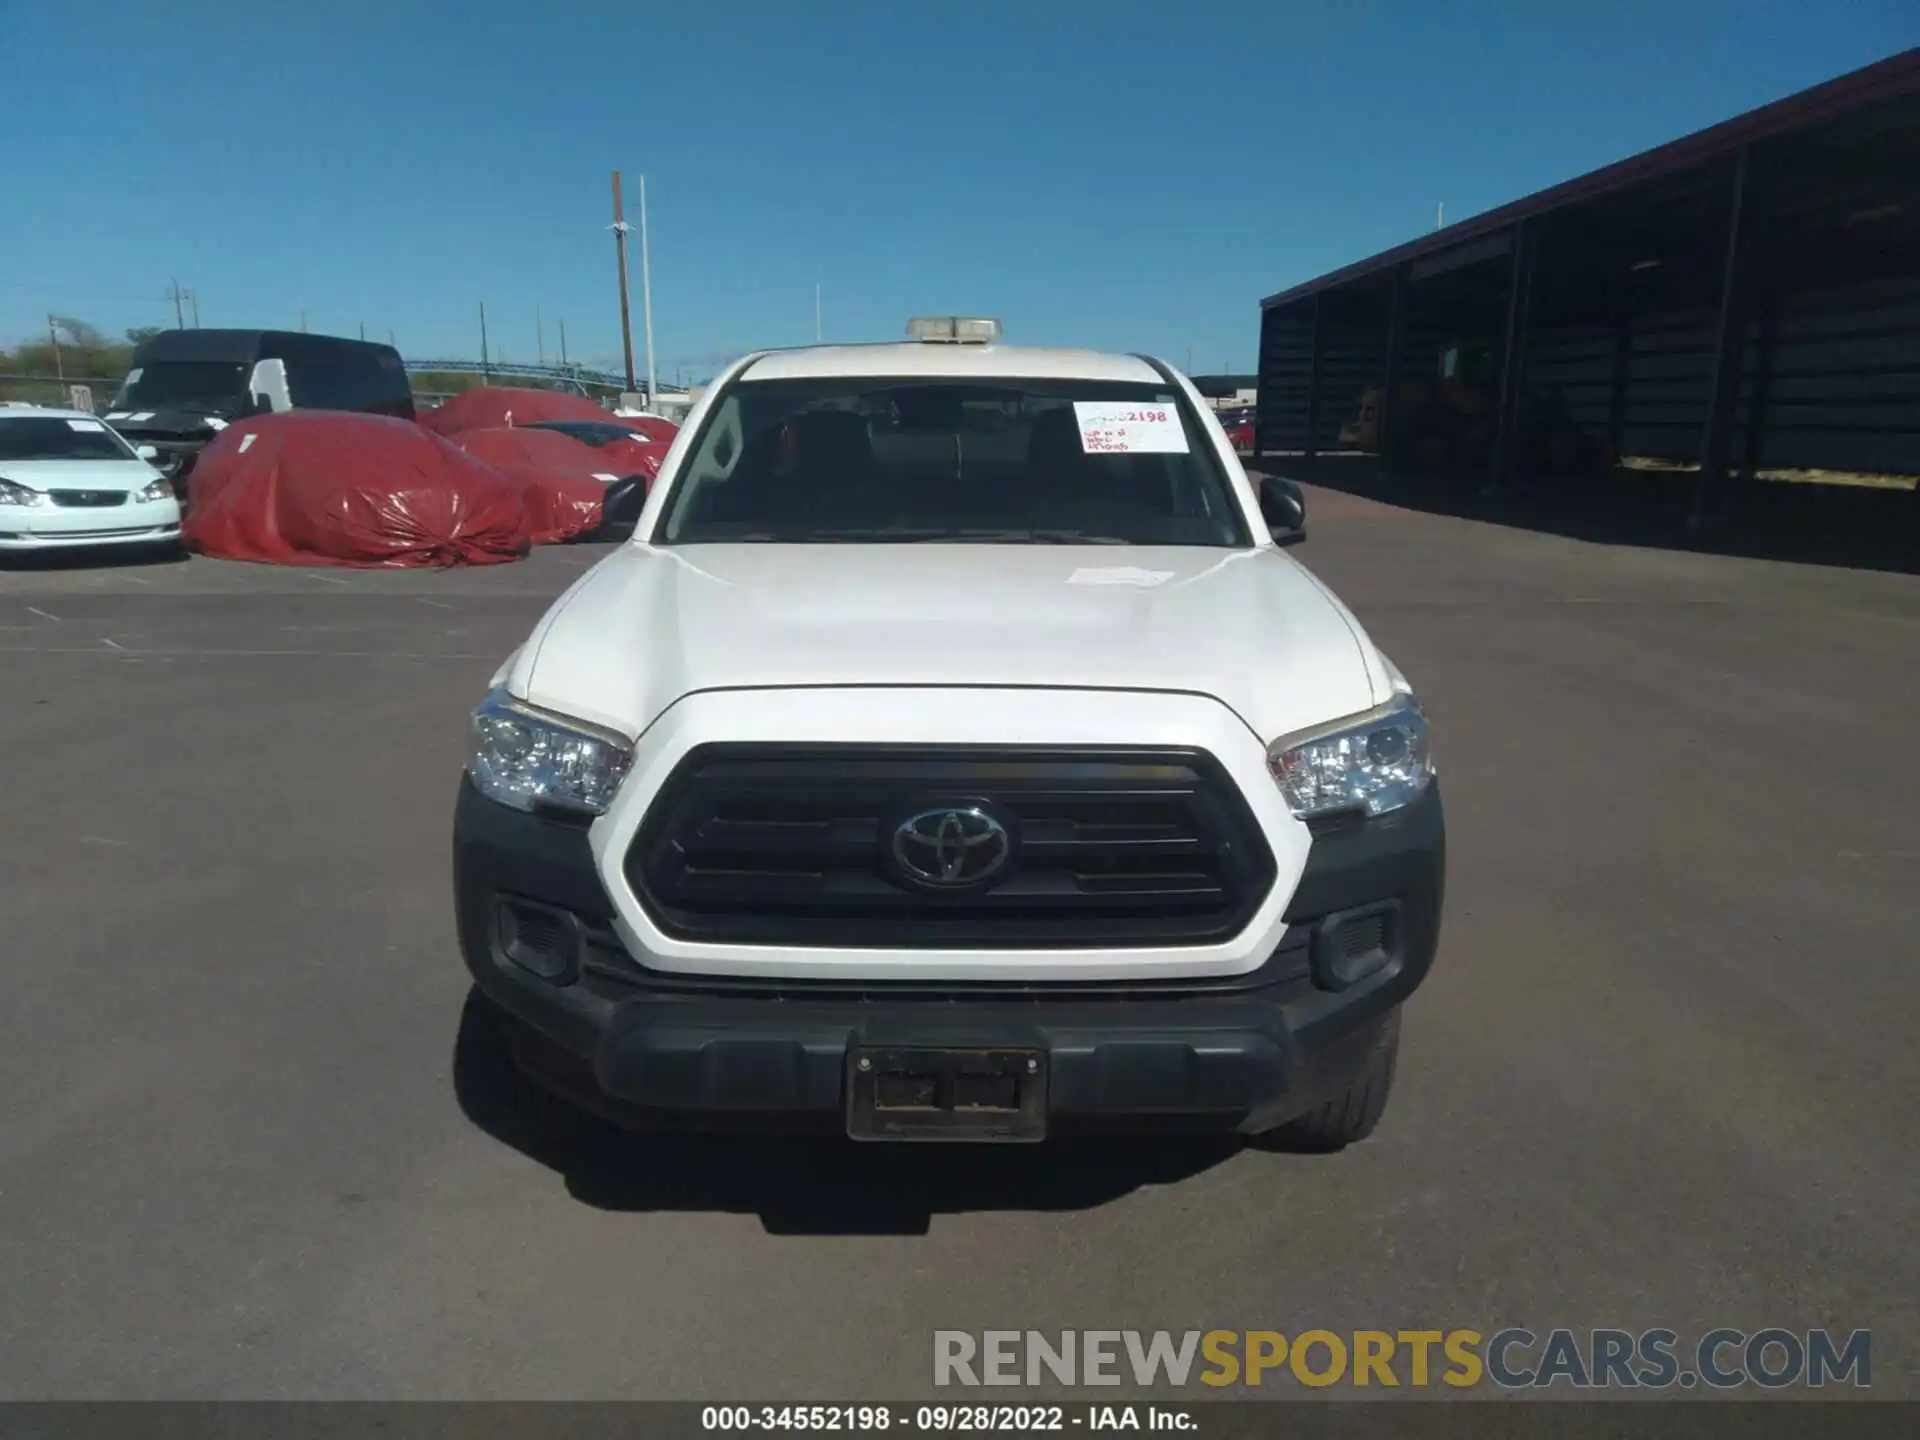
646	288
619	228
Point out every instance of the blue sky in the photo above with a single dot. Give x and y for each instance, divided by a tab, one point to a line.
1103	172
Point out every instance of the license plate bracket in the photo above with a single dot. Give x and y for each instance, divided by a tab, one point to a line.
933	1093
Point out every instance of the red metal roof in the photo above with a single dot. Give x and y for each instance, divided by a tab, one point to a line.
1887	79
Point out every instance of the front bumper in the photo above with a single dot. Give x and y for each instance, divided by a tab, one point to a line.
1232	1053
35	527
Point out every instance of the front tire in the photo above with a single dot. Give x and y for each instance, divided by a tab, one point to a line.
1350	1117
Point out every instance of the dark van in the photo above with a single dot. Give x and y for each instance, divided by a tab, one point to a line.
187	385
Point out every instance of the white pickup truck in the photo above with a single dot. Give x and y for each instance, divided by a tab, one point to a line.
956	752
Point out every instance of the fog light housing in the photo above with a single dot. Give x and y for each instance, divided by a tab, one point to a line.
1354	945
543	940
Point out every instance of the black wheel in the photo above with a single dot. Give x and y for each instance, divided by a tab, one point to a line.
496	1095
1349	1118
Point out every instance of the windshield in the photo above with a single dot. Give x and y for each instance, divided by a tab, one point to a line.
183	383
52	437
898	460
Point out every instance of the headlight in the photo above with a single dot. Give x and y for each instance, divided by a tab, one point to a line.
158	490
529	760
12	494
1372	763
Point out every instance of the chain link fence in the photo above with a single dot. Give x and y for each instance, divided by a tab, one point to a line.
71	392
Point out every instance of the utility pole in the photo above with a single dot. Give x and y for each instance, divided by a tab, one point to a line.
486	361
1440	216
391	341
646	286
363	329
539	334
563	341
819	334
620	252
179	314
59	368
193	304
303	321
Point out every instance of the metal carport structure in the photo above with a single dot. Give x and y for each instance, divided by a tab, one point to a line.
1746	298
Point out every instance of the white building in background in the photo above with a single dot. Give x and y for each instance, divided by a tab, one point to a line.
669	403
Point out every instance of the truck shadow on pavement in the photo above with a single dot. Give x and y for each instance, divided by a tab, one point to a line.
813	1183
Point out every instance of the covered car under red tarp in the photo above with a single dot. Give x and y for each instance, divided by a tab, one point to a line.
490	407
320	487
638	456
651	426
565	480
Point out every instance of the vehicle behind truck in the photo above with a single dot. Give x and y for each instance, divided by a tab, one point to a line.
185	386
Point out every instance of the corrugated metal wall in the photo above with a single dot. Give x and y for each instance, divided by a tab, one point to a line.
1668	370
1839	370
1844	388
1353	356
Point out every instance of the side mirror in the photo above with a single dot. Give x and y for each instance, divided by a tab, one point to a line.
1284	509
147	452
620	510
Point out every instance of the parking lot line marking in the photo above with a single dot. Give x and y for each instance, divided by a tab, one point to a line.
115	643
36	610
437	604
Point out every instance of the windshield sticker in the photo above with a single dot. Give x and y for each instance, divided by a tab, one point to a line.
84	426
1122	428
1119	575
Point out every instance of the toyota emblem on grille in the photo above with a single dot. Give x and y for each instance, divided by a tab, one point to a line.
952	846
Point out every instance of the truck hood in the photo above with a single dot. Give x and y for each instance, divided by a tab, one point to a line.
158	422
79	474
1252	628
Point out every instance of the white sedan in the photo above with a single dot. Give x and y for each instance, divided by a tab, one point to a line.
67	480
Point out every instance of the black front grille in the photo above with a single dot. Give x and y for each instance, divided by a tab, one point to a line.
793	845
88	499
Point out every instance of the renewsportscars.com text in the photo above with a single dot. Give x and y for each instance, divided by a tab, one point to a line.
1513	1358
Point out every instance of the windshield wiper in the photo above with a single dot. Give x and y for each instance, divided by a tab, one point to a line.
934	535
1038	537
870	532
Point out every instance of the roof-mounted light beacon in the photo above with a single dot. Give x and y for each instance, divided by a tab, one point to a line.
953	330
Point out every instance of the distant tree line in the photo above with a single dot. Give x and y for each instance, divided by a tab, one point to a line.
75	351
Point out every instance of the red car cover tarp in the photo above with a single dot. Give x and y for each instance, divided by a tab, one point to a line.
491	407
638	456
316	487
651	426
562	477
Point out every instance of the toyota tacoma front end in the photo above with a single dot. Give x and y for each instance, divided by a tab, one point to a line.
956	752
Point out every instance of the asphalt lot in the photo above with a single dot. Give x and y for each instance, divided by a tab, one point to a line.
1664	1072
